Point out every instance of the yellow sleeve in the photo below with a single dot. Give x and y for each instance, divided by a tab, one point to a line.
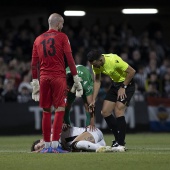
96	70
122	65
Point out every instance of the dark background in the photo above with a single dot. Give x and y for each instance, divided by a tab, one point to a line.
95	10
101	13
50	5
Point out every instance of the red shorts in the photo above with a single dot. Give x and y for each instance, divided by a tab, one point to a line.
53	91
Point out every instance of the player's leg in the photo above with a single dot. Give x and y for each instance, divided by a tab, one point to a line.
90	140
86	145
45	103
57	128
85	141
120	108
87	100
46	127
85	136
121	126
88	96
99	141
107	111
59	98
87	114
119	111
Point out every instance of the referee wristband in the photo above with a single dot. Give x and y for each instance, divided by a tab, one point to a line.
124	86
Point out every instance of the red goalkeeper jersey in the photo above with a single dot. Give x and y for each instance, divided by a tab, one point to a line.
49	50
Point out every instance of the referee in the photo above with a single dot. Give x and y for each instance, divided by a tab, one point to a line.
119	94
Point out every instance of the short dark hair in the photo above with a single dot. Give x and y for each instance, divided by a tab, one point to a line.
33	145
94	55
70	80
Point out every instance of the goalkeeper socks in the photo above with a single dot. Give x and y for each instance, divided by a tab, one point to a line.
47	144
54	144
121	130
87	118
112	124
46	126
86	145
57	125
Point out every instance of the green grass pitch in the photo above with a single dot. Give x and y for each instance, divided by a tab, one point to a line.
146	151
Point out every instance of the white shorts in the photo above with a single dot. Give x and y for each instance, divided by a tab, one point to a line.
97	134
73	132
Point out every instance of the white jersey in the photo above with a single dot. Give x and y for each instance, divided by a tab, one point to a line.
71	133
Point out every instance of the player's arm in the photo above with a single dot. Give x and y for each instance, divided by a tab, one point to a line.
77	87
90	113
89	101
68	53
124	66
122	91
34	62
34	69
92	120
96	87
130	74
71	63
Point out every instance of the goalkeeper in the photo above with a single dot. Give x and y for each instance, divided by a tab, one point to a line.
48	66
87	84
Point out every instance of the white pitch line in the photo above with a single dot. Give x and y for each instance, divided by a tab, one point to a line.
156	149
12	151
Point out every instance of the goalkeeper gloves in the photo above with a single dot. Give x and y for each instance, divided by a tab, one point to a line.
77	87
35	89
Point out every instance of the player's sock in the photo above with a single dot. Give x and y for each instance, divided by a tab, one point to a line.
47	144
112	124
54	144
121	130
57	125
87	118
86	145
46	126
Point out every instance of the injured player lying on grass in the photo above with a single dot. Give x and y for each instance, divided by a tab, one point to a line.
76	139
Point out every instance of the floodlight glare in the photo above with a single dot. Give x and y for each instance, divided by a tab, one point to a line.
74	13
139	11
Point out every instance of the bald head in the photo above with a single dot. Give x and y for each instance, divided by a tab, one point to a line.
55	21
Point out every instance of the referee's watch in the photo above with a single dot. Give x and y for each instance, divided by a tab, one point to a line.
124	86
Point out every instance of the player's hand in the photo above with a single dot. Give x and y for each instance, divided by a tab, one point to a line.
91	107
35	89
92	128
65	126
73	89
77	90
77	86
121	94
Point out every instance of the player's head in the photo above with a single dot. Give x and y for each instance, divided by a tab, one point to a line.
55	21
37	145
95	58
70	80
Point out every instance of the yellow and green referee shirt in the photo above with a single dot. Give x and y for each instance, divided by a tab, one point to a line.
114	67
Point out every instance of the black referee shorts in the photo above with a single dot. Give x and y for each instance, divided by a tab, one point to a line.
113	92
